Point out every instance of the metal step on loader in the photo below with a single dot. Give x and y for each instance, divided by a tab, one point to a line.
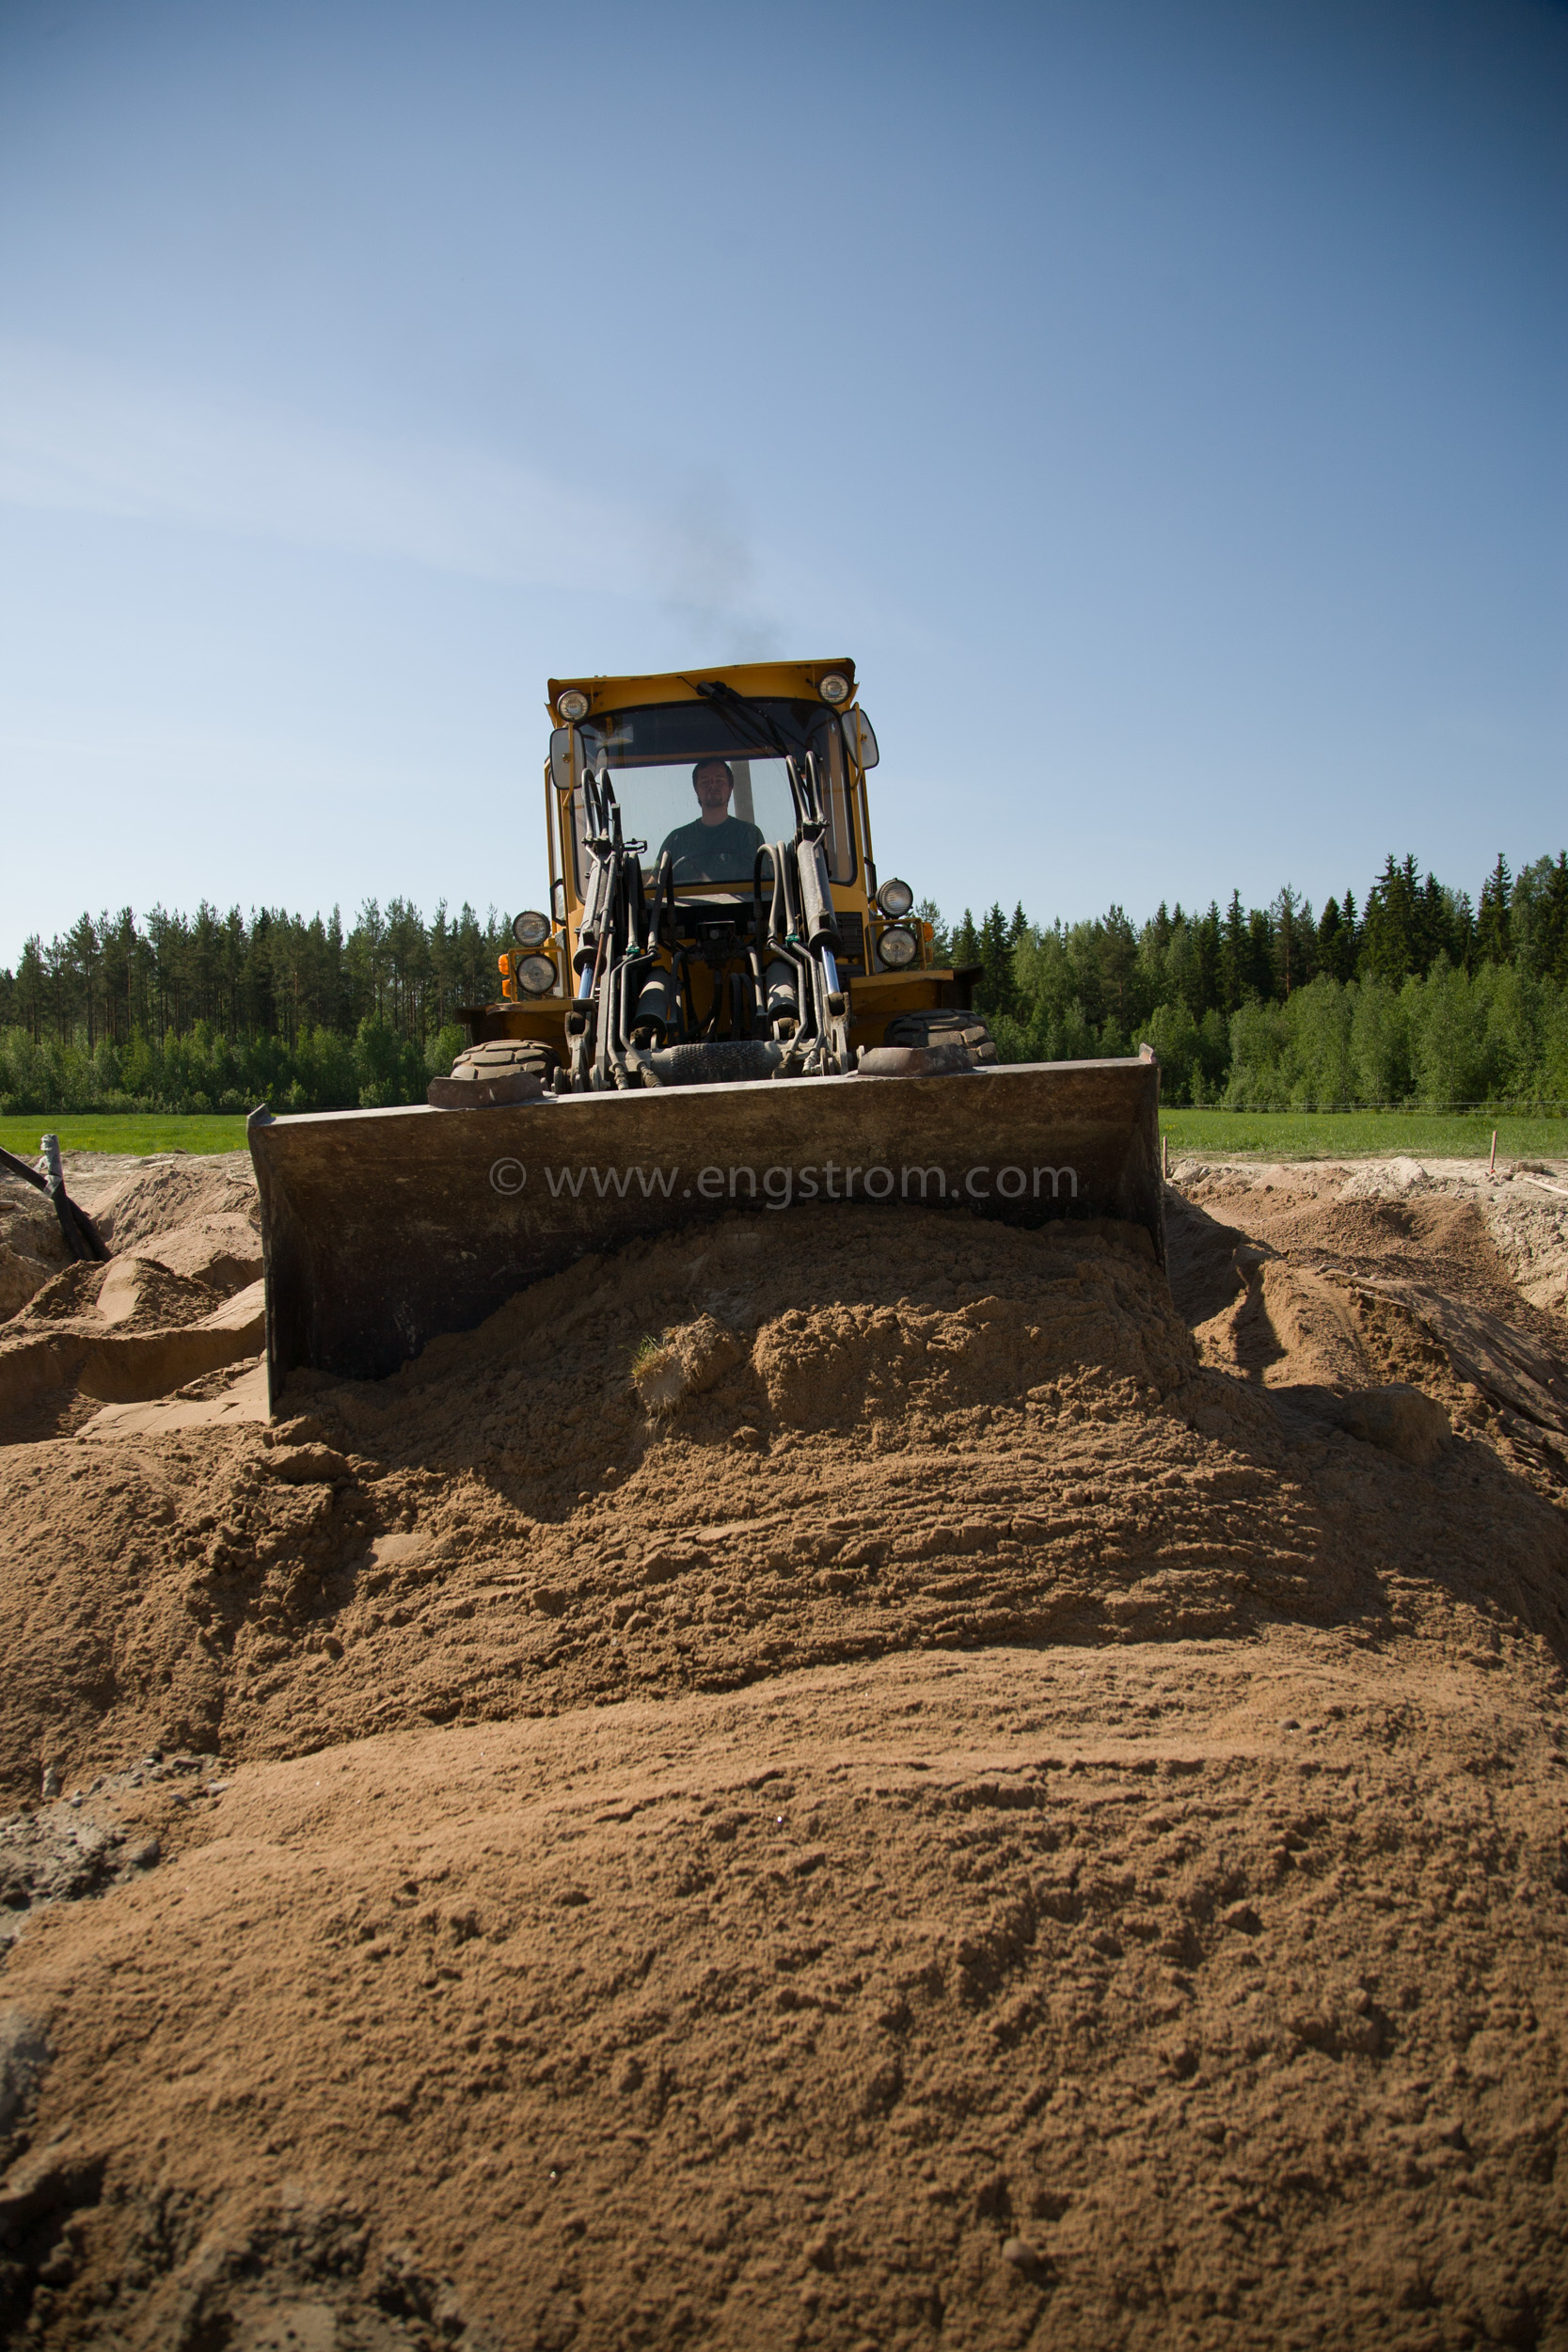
747	1020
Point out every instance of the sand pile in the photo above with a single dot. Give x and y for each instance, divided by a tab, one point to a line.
31	1246
197	1216
1015	1444
1522	1206
1312	1285
181	1298
1530	1227
832	1781
1195	1995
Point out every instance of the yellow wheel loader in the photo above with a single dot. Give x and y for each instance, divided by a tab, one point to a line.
720	1008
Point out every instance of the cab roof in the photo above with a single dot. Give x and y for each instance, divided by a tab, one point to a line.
794	681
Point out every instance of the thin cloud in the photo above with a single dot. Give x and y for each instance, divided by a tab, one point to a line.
79	437
85	436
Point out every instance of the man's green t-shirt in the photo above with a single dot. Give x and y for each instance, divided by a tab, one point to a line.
713	853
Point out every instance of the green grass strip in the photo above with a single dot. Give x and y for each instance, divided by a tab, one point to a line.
1218	1134
138	1132
1362	1135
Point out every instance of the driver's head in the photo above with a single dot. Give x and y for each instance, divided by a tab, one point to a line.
713	783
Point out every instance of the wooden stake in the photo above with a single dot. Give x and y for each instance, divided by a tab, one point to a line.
1492	1163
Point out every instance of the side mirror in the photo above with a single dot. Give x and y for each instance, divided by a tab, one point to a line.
565	761
860	738
558	898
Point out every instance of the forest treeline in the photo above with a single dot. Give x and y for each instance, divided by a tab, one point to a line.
1417	995
215	1012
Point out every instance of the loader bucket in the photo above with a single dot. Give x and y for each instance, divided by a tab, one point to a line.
383	1228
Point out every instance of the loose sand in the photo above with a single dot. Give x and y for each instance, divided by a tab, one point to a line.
828	1781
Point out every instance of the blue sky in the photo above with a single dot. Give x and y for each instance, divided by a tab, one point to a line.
1163	403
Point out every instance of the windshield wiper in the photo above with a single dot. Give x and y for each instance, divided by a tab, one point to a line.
743	712
805	786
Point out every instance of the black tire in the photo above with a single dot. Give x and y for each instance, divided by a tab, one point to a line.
498	1057
944	1028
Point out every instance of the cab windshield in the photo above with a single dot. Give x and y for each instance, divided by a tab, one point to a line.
711	787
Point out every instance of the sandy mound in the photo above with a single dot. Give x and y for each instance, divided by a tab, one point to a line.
1523	1204
128	1293
850	1781
154	1196
1385	1180
1018	1446
31	1246
180	1298
197	1216
1530	1226
56	1368
1129	1998
1311	1294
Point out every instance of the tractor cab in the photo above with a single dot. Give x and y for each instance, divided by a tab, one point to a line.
689	801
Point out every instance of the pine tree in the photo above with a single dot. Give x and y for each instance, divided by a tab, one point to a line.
1234	957
1118	965
1494	930
1389	943
29	989
1258	969
1552	949
966	943
1329	929
998	990
1207	981
1288	925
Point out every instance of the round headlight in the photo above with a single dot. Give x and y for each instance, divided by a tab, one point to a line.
895	898
897	948
531	929
833	689
537	975
573	703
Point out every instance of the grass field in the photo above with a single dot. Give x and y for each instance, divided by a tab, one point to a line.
141	1131
1219	1134
1361	1134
